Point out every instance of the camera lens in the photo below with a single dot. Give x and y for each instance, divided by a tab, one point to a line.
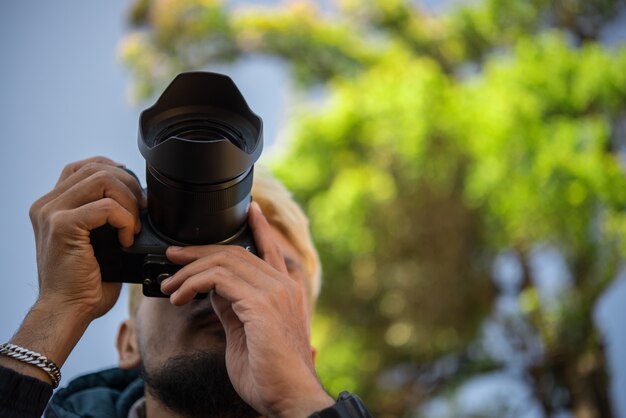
200	141
202	130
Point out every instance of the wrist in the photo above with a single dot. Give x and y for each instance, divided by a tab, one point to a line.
310	406
347	406
32	358
48	329
306	402
63	313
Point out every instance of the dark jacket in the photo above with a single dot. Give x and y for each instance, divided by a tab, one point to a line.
109	393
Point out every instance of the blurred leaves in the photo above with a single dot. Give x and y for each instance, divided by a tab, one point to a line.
443	142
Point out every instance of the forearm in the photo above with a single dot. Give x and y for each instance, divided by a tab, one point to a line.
52	331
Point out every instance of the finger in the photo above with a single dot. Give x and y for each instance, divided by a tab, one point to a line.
97	186
236	340
222	281
264	238
88	170
224	311
233	258
102	212
71	168
189	254
92	168
37	208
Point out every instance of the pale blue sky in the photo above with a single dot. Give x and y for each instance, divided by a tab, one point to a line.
62	100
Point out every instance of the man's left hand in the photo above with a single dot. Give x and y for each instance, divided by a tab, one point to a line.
265	317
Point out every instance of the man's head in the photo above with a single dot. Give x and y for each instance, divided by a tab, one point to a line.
182	348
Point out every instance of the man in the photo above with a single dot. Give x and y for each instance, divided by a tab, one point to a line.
242	352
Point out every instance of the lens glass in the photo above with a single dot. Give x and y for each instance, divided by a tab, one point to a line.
201	130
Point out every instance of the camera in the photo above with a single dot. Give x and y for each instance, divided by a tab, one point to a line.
200	141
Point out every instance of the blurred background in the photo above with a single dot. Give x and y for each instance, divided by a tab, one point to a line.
462	164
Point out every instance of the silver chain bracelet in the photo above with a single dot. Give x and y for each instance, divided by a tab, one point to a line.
31	357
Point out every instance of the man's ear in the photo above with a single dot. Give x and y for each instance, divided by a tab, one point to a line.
127	348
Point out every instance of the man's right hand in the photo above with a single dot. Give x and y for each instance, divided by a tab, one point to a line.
88	194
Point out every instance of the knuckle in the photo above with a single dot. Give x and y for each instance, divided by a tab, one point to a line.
91	168
44	213
99	176
57	222
107	204
220	271
103	180
225	253
70	168
237	250
34	210
83	165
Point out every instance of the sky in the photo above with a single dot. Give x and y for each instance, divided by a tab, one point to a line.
64	98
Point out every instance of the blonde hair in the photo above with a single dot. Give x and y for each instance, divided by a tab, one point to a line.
283	213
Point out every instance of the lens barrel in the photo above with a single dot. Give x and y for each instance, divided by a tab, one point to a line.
200	141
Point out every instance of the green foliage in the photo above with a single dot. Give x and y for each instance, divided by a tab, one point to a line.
443	142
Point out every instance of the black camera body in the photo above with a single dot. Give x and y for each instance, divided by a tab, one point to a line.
200	141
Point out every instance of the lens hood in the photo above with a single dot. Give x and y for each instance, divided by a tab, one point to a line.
200	130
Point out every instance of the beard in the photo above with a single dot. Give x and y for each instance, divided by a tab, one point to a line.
197	385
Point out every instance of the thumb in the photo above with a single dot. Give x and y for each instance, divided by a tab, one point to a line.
224	311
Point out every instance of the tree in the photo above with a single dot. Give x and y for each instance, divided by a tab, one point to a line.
444	143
